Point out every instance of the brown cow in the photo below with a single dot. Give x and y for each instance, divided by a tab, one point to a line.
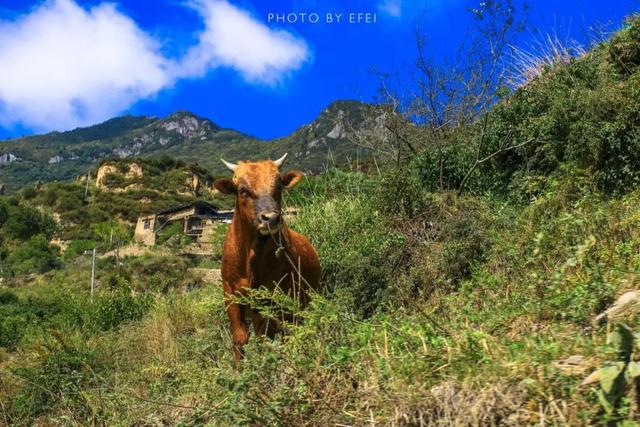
259	249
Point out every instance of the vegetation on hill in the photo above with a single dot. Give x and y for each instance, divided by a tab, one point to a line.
81	216
457	290
183	136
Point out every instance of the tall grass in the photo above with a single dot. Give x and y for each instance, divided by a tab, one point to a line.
392	340
545	53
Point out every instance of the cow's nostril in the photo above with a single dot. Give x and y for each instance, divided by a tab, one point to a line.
269	216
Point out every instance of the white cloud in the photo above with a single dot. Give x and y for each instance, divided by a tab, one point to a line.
63	66
391	7
233	38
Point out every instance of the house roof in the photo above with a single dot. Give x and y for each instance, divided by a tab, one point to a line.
198	204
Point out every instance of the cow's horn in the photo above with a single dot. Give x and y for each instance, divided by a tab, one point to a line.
281	160
231	166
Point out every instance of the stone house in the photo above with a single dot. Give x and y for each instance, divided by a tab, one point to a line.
198	220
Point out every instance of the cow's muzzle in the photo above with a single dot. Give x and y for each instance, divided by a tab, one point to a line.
267	215
269	222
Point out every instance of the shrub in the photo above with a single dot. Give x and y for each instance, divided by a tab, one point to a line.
8	297
34	256
171	233
29	193
115	308
26	221
400	193
76	248
66	370
624	48
445	169
12	328
355	246
115	180
159	274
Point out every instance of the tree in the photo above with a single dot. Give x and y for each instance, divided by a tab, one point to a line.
34	256
428	111
26	221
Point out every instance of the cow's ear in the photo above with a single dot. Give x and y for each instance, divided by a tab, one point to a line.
225	186
291	178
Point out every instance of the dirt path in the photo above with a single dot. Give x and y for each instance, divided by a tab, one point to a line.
137	250
209	275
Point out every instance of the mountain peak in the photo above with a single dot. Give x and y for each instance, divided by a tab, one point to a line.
188	124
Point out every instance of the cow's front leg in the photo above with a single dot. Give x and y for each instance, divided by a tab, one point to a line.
236	313
264	326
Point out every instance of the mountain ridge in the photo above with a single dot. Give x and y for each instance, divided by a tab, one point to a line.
181	134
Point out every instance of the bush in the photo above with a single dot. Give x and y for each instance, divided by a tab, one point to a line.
76	248
159	274
29	193
66	369
114	180
624	48
172	233
117	307
34	256
444	170
356	248
25	221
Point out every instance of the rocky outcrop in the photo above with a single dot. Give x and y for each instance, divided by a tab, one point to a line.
336	132
103	171
187	126
55	159
625	304
9	158
134	171
195	184
122	153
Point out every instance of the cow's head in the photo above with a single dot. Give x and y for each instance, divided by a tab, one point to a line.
258	188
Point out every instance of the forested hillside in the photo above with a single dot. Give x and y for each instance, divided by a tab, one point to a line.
182	135
491	279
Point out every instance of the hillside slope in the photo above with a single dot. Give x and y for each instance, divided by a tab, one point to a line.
182	135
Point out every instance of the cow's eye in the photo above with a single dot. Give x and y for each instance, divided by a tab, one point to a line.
244	192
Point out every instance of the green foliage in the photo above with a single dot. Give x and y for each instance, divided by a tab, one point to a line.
624	48
115	180
583	114
118	306
456	159
25	221
4	211
13	321
217	241
29	193
159	274
112	232
34	256
171	233
619	377
355	265
66	368
77	248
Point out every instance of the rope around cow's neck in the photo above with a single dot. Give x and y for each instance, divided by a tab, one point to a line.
280	249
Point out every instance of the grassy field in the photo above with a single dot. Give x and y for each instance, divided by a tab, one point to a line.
459	310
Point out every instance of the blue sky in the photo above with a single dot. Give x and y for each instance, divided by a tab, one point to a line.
65	63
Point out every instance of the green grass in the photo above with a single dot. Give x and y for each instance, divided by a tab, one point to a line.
395	337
